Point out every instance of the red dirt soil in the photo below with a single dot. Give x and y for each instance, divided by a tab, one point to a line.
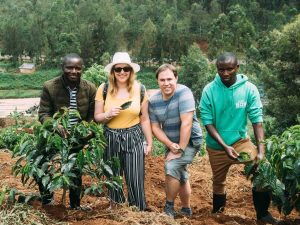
239	209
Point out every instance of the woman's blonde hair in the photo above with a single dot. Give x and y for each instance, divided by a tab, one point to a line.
113	83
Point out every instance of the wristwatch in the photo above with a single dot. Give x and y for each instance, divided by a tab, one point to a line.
180	150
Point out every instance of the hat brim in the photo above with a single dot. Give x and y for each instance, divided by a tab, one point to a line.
136	67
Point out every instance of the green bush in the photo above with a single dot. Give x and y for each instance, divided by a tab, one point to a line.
45	152
147	78
95	74
280	171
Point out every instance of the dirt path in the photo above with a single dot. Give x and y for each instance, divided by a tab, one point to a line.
21	105
239	209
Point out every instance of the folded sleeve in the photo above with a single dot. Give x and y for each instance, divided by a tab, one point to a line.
254	106
205	107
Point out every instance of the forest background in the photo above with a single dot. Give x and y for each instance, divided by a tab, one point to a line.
265	34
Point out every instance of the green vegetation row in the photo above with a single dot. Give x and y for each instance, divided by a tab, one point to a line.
29	85
19	93
12	81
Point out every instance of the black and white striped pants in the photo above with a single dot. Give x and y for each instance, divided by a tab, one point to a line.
127	145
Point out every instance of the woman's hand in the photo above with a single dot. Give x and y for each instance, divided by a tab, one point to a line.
147	149
114	111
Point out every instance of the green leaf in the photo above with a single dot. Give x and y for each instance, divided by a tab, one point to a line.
39	172
38	159
243	157
45	166
2	195
66	180
45	180
126	105
87	190
12	195
108	169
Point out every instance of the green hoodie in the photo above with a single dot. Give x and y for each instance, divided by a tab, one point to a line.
227	109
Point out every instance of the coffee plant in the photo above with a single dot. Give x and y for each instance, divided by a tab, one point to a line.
9	136
54	149
280	171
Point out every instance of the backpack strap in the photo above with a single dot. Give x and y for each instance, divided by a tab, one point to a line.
104	93
142	93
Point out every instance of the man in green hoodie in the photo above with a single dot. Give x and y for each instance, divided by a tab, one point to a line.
225	105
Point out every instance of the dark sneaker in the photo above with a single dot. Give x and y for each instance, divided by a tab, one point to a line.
169	210
186	211
268	219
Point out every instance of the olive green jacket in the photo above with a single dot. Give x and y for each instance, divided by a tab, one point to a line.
56	95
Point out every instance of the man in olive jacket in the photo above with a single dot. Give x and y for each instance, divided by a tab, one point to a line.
67	90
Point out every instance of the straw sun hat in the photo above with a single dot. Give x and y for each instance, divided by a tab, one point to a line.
121	57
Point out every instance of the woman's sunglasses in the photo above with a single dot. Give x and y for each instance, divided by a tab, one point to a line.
125	69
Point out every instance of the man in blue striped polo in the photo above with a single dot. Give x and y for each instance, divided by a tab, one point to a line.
174	123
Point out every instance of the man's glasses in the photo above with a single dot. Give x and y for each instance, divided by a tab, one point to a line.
125	69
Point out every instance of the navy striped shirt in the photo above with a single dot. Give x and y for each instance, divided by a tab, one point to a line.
73	106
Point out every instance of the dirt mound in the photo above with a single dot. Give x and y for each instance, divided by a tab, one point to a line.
239	209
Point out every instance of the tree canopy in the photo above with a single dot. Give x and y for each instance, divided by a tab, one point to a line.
149	29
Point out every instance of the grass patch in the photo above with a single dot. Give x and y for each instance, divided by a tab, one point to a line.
158	148
24	214
35	80
19	93
6	65
16	85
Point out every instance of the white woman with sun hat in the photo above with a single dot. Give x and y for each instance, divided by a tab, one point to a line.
122	106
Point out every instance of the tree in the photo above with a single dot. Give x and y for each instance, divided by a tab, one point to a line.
167	32
14	32
148	40
231	32
195	70
116	31
105	58
200	20
67	43
280	51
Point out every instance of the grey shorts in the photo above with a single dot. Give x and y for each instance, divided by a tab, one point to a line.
177	168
